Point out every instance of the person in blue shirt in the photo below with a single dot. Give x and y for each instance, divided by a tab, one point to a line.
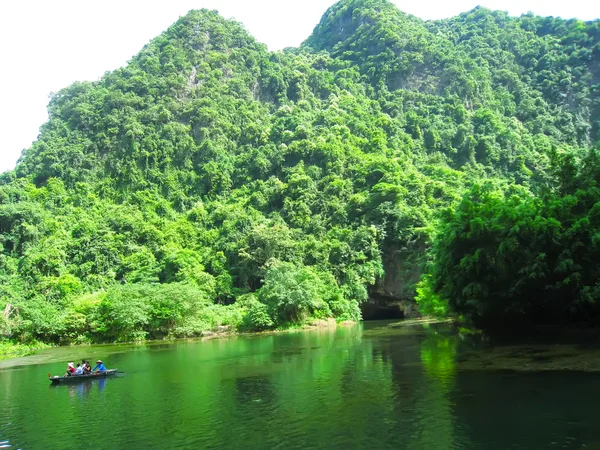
99	367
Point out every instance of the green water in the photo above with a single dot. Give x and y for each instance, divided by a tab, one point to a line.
367	386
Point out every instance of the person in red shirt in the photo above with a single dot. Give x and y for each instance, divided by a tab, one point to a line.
70	369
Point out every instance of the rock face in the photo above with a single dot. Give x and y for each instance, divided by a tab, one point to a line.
393	295
402	273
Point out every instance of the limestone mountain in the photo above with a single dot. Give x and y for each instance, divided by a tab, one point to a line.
211	182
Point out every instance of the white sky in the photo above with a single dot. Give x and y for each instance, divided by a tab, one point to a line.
45	45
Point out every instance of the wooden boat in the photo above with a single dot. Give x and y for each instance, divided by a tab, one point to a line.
77	378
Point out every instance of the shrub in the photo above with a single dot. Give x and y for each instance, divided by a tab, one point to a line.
344	309
124	313
430	303
134	312
41	320
257	317
292	294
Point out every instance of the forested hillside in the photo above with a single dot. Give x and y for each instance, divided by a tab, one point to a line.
211	182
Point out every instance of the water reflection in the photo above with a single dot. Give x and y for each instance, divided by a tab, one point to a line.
254	389
421	364
81	388
84	388
342	388
438	353
438	356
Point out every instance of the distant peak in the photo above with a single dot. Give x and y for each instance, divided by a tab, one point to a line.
344	18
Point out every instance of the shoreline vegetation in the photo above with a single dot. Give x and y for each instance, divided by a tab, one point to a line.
212	183
9	350
290	297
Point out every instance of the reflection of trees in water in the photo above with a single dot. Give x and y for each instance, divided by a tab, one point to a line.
334	391
438	355
324	389
254	389
422	364
499	409
297	382
256	397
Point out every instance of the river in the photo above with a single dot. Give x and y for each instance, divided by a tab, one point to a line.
364	386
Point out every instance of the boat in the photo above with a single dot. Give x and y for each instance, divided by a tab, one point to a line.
77	378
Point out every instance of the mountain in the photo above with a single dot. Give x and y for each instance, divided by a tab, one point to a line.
212	183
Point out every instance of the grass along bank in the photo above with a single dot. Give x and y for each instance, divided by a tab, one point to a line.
9	349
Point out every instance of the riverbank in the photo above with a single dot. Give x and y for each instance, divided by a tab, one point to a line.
569	350
422	321
9	350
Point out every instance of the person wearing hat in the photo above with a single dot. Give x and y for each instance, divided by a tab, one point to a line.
70	369
99	367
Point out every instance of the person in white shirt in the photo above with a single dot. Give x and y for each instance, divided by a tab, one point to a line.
79	370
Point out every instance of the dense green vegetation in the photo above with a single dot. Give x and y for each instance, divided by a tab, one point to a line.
508	257
212	183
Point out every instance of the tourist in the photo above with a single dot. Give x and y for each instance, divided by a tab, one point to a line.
70	369
79	369
87	369
99	367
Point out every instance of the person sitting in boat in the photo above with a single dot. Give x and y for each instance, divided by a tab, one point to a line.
87	369
99	367
70	369
79	369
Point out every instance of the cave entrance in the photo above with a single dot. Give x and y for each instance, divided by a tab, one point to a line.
379	307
